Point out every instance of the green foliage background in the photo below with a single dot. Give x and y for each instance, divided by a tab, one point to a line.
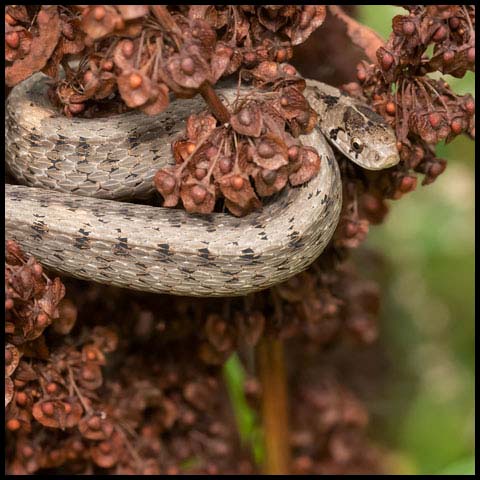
427	320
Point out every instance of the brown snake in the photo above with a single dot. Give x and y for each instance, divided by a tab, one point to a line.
78	229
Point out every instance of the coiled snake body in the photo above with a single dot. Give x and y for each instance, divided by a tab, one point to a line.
78	229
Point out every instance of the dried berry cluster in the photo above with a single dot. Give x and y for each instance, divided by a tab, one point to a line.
152	406
220	161
336	445
423	110
64	415
148	406
146	51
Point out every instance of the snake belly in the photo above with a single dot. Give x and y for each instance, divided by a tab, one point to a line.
147	248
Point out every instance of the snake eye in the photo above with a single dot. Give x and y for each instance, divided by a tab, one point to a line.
357	145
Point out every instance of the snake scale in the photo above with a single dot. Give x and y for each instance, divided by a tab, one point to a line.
73	172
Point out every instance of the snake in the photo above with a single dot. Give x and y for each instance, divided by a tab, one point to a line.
77	178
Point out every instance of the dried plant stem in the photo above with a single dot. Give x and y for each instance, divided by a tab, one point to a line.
274	406
215	104
206	90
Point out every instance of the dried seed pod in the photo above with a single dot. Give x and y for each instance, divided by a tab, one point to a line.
135	88
105	454
309	20
238	201
268	182
197	197
95	427
200	126
12	359
251	327
271	152
131	12
90	376
99	20
218	333
168	185
9	390
92	353
50	413
248	121
310	165
187	70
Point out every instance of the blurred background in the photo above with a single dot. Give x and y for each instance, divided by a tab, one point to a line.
426	413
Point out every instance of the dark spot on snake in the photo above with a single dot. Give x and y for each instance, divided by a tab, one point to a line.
40	227
186	269
333	133
84	232
82	243
121	248
232	280
371	115
290	220
164	248
204	253
317	193
330	100
58	256
36	215
297	244
310	195
324	199
105	267
211	229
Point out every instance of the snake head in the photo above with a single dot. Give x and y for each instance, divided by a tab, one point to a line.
365	138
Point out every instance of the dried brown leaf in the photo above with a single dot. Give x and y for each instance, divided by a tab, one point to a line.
268	182
271	152
248	121
99	20
168	185
197	197
130	12
311	17
310	165
135	88
42	47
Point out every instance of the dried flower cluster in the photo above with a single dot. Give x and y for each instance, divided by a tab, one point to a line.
63	413
146	51
215	161
423	110
337	444
156	403
136	401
